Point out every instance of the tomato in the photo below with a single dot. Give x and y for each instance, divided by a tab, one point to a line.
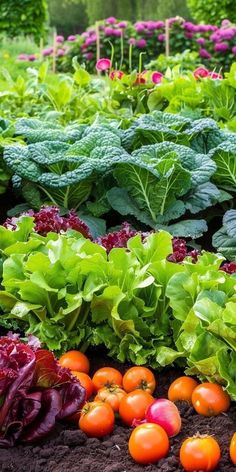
200	454
85	381
148	443
182	389
106	376
232	449
210	399
139	378
97	419
134	405
112	395
75	360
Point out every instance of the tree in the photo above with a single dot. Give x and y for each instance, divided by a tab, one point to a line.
28	17
68	16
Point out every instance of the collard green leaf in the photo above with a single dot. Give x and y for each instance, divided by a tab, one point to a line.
225	158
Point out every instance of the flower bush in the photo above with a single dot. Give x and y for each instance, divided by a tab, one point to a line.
123	42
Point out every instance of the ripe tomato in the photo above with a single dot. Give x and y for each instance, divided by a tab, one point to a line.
232	449
182	389
97	419
139	378
85	381
148	443
134	405
210	399
106	376
200	453
75	360
112	395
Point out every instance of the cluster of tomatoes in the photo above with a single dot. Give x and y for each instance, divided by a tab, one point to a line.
154	420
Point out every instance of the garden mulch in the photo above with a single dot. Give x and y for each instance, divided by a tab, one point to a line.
69	450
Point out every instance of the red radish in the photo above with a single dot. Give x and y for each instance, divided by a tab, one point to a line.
166	414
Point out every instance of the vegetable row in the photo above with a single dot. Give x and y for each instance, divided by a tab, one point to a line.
163	171
70	292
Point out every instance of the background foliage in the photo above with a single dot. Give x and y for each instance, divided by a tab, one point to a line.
212	10
25	17
72	16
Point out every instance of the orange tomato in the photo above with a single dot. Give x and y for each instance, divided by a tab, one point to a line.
85	381
200	453
210	399
106	376
182	389
112	395
148	443
232	449
134	405
75	360
97	419
139	378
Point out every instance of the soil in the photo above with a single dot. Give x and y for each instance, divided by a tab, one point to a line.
69	450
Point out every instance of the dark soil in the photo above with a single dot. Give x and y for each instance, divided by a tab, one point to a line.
69	450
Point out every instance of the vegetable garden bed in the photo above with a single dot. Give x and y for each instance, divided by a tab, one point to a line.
68	449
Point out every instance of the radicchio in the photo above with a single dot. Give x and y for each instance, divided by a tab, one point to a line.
48	219
34	392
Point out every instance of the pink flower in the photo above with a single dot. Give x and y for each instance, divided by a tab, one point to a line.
89	56
60	39
215	75
157	77
141	43
111	20
32	58
47	52
132	41
60	52
201	41
23	57
234	50
103	64
117	33
116	74
161	37
200	72
123	24
71	38
160	24
140	28
188	35
204	53
108	31
90	41
221	47
225	23
85	34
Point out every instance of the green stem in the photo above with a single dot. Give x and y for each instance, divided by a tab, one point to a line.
121	49
130	57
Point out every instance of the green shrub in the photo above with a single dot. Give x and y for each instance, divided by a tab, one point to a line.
212	10
26	17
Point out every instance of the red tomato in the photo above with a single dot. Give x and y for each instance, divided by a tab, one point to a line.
97	419
232	449
210	399
134	405
75	360
182	389
148	443
85	381
106	376
200	454
112	395
139	378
